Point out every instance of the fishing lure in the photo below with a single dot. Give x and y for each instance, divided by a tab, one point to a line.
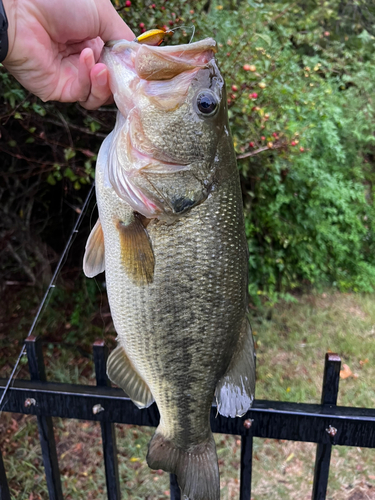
156	36
153	37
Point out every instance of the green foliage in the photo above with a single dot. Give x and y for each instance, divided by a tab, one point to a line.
303	123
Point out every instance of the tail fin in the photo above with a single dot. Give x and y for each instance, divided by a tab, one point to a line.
196	468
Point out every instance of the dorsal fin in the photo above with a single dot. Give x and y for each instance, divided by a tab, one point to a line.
93	260
136	250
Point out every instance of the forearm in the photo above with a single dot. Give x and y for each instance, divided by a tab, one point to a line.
10	11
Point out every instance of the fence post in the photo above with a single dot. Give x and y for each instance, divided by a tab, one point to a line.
45	425
246	464
108	429
4	489
323	451
175	492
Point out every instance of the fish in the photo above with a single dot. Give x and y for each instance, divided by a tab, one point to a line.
171	239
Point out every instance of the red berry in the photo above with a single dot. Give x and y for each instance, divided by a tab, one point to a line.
170	22
141	25
274	135
254	95
302	149
246	67
234	88
263	138
229	100
228	54
293	143
162	7
128	3
251	144
153	6
233	96
143	30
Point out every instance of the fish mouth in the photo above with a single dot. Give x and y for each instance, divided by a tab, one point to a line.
164	63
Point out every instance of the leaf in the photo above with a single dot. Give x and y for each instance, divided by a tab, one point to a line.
69	153
51	180
290	457
94	126
264	37
345	372
39	109
70	174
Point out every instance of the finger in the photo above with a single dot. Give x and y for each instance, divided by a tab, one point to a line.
81	85
95	44
112	26
100	92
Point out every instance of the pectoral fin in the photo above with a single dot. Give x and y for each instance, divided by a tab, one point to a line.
93	261
122	373
136	250
235	390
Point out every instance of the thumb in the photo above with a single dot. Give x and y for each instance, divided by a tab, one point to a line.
112	27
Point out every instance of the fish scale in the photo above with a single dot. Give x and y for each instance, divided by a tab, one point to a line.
177	277
198	293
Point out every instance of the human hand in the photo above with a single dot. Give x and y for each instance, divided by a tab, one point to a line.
54	46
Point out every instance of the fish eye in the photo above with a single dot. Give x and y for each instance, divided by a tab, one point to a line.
207	103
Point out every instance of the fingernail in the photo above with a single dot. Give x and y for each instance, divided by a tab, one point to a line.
101	77
87	57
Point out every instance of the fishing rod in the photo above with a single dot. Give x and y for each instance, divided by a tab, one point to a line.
50	286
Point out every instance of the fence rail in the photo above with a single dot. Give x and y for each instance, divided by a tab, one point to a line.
325	424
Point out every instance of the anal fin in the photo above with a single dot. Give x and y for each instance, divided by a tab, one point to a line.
122	373
235	390
93	261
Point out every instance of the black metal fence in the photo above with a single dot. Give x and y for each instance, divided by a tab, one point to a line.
325	424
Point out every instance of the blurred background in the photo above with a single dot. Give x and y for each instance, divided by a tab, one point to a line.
300	83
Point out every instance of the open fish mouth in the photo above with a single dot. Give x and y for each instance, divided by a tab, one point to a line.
164	63
158	173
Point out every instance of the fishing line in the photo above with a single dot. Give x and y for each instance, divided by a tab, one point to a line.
188	28
98	286
192	36
51	285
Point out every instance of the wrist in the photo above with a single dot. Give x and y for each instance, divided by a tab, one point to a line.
10	8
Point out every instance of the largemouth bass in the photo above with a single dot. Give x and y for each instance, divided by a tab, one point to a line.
171	239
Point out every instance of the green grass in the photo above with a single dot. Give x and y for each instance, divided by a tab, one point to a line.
290	347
